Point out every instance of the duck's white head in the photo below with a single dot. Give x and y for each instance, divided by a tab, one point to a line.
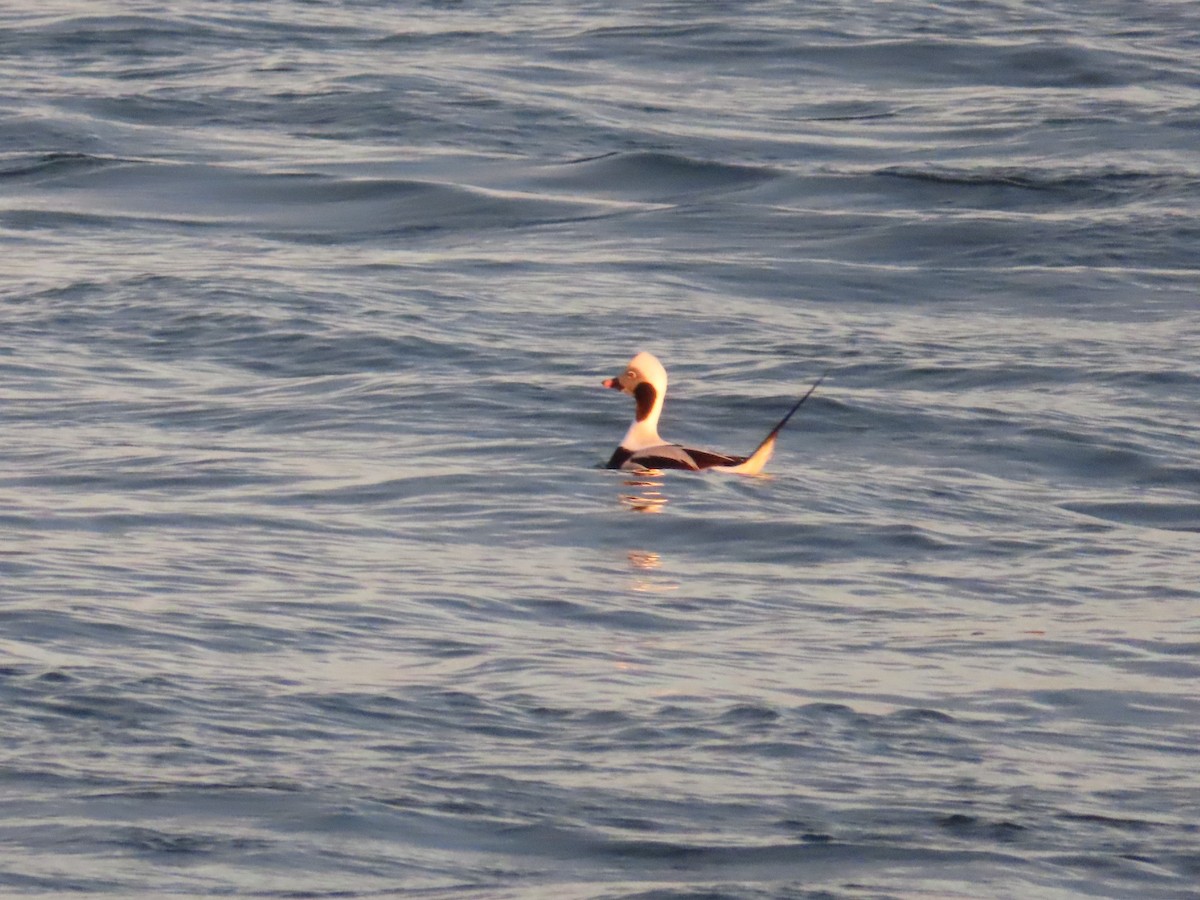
646	379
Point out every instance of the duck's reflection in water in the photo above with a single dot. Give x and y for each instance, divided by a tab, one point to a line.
649	577
646	495
645	559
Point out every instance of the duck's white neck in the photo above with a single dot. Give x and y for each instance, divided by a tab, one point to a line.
641	435
643	432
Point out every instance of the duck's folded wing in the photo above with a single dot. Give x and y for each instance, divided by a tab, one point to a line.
673	456
664	456
661	456
706	459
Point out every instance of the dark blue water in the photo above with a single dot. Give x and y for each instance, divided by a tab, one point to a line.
311	584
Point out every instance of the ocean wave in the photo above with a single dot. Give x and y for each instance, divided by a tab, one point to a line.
1063	184
652	176
37	166
281	203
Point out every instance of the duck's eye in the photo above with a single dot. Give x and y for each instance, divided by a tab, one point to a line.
631	374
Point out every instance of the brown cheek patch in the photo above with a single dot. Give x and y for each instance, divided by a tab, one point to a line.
645	395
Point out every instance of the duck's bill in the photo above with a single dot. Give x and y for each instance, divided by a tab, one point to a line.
611	383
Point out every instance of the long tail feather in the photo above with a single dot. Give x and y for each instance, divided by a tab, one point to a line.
758	460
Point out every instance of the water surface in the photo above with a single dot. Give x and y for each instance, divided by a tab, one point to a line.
311	582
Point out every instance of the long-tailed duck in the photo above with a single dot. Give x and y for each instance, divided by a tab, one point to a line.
642	448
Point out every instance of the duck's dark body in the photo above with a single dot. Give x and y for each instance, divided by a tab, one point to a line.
670	456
